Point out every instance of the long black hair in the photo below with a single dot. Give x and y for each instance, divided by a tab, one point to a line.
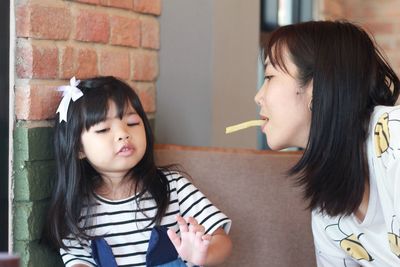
76	178
350	77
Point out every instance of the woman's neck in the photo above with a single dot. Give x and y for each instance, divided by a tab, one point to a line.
363	208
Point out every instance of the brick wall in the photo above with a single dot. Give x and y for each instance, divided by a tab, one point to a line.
58	39
381	18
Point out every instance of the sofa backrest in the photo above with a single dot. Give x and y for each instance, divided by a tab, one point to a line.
271	226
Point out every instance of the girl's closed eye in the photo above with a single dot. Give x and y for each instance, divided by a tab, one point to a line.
101	127
133	120
104	130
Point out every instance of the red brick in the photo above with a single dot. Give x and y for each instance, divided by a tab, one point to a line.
94	2
147	6
22	21
125	4
36	61
147	95
67	62
379	27
92	27
145	66
86	63
150	33
23	59
50	22
45	62
125	31
81	63
115	63
36	102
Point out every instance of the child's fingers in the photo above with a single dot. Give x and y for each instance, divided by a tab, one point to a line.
193	221
182	224
199	228
203	241
195	226
206	237
175	239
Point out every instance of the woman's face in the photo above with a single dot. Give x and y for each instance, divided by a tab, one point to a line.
284	106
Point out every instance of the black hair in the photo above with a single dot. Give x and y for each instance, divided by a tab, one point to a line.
76	178
350	76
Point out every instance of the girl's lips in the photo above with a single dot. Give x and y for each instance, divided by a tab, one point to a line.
125	151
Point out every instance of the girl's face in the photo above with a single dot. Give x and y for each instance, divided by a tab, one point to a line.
284	106
115	145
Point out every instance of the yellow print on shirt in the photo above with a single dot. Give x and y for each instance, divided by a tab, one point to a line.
386	144
349	243
382	135
394	241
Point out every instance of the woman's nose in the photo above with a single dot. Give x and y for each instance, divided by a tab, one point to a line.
257	97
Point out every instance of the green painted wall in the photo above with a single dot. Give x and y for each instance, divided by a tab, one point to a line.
34	173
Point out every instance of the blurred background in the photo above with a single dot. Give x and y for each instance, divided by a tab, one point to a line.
210	67
195	65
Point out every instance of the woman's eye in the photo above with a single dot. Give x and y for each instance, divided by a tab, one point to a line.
102	130
268	77
133	124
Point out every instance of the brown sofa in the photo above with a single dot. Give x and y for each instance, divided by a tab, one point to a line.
270	224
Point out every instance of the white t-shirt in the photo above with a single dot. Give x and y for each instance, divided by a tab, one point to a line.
374	242
124	227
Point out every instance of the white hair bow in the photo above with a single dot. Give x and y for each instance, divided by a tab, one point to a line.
70	92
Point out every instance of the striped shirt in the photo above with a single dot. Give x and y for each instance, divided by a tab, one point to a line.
124	226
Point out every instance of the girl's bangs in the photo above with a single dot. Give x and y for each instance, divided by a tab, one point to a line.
94	110
96	106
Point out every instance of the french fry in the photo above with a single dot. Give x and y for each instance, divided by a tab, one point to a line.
243	125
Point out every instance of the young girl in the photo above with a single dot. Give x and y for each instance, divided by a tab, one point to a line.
108	185
328	90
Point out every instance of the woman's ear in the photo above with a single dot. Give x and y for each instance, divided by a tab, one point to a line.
309	89
309	94
81	155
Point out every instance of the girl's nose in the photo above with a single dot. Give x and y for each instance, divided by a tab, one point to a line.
122	134
123	137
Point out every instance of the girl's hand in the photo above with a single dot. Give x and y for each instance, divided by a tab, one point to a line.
193	244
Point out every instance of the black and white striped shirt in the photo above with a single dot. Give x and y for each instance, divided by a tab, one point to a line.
123	225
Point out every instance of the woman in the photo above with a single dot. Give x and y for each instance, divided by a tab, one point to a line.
329	90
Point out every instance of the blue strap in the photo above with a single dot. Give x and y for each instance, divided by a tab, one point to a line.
102	253
160	250
175	263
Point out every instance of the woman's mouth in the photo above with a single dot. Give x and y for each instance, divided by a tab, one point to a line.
265	119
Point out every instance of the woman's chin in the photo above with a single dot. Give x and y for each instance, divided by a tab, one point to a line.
276	145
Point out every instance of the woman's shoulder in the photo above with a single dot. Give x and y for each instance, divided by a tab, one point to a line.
333	227
382	112
385	131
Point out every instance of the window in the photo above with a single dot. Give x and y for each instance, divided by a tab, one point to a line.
275	13
4	119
